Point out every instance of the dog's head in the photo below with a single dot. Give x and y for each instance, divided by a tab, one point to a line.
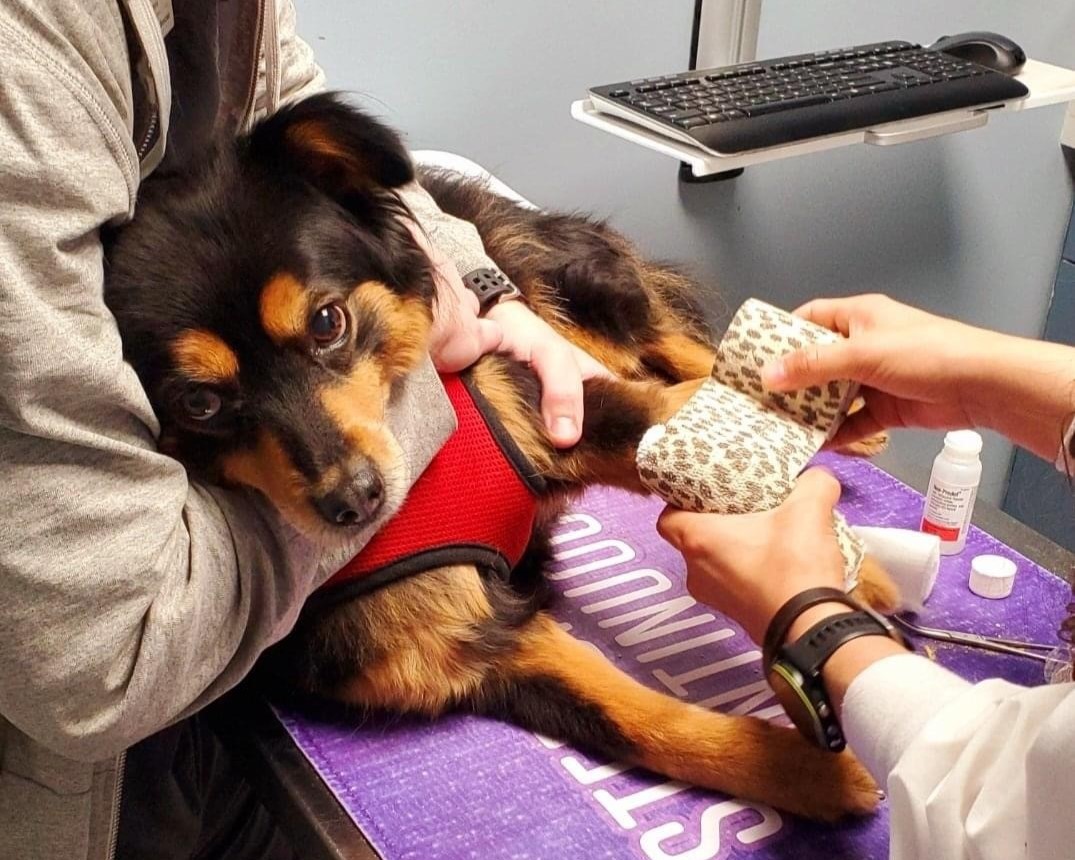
269	297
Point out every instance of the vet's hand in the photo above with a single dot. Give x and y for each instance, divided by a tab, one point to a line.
921	370
914	364
748	565
560	366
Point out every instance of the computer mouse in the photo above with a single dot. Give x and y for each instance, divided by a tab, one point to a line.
991	50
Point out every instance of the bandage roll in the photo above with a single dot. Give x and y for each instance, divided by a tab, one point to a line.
734	448
912	559
760	333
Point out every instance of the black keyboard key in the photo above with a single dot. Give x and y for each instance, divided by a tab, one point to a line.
774	107
647	88
619	94
684	114
693	122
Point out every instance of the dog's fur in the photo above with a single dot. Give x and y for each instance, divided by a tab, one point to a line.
218	286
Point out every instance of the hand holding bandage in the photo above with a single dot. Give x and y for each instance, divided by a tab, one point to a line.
735	447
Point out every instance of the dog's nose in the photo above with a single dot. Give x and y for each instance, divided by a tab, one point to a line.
354	502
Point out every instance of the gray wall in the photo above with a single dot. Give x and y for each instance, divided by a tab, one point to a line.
970	225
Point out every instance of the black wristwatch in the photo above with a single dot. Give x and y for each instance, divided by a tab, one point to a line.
794	670
491	287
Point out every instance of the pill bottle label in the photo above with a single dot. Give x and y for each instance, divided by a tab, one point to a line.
947	512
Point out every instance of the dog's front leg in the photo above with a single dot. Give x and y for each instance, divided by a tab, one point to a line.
617	413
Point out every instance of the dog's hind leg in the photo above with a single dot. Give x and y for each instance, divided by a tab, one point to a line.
556	685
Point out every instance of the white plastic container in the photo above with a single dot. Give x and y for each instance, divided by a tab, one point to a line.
953	487
992	576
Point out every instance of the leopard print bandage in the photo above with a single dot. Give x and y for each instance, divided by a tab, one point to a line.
735	447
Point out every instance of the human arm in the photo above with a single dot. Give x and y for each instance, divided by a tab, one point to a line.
970	770
922	370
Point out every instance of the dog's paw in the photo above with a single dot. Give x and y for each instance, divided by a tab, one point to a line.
779	767
871	446
848	789
819	784
875	588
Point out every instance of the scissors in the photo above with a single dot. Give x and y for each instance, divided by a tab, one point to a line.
1031	650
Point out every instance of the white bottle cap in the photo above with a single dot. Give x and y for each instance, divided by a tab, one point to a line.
963	444
992	576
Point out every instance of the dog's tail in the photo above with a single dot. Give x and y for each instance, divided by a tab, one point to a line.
560	687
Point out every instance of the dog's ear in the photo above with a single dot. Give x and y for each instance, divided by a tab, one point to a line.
337	148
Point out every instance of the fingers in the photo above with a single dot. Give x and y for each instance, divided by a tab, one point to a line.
464	342
827	313
672	523
590	367
817	490
840	315
553	360
687	530
814	365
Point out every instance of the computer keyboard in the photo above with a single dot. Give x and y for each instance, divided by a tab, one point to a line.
761	104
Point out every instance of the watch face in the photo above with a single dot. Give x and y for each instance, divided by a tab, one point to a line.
787	684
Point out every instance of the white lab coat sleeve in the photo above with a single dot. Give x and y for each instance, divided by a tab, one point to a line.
978	771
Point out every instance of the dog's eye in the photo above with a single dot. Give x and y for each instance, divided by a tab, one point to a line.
328	326
201	404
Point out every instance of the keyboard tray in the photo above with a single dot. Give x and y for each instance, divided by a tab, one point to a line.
1048	84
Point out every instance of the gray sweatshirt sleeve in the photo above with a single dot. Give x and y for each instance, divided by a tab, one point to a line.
300	75
131	595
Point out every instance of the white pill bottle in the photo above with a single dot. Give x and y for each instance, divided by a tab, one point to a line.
953	487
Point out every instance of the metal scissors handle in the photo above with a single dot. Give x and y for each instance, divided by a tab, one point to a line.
1031	650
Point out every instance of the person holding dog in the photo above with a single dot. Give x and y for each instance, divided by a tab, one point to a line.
980	771
133	595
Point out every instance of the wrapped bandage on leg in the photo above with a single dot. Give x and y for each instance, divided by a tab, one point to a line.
735	447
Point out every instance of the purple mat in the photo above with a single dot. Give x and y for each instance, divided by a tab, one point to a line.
465	787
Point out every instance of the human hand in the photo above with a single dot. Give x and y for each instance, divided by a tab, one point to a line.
921	370
749	565
459	337
915	367
560	366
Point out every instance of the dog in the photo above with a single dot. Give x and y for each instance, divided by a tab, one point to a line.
271	296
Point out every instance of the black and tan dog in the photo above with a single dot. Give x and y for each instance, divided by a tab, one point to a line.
271	297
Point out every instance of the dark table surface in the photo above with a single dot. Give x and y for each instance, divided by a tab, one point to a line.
319	827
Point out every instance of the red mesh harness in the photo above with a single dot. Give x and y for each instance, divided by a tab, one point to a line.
474	504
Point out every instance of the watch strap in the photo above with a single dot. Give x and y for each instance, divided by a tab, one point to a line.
813	649
800	664
490	286
777	631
